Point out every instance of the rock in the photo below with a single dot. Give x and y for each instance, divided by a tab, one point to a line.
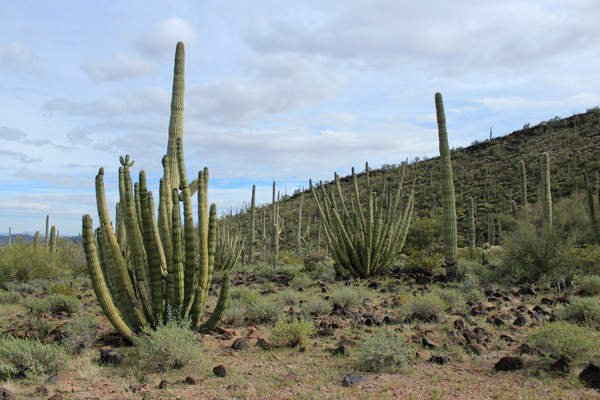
424	354
476	348
163	384
591	376
353	380
341	350
459	324
59	378
221	370
239	344
509	363
347	342
521	320
527	291
233	387
561	365
42	390
190	380
429	343
389	320
290	377
508	338
471	337
263	344
6	394
441	360
57	396
110	356
456	338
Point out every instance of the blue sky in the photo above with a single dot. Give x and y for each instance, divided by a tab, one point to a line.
278	91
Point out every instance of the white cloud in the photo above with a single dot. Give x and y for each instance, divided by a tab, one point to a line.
159	44
119	67
15	55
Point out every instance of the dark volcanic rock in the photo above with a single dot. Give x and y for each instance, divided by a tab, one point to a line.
591	376
509	363
6	394
441	360
353	380
110	356
239	344
221	370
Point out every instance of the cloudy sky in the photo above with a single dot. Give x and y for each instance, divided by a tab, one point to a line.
275	90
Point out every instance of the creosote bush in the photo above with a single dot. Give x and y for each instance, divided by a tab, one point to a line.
579	345
244	294
29	358
315	307
80	334
425	307
289	297
291	333
25	262
581	310
235	313
52	305
347	297
590	286
263	312
383	351
170	346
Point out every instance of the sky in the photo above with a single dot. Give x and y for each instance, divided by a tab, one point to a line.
282	91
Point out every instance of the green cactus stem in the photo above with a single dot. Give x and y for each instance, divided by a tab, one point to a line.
471	224
523	184
546	193
448	199
252	231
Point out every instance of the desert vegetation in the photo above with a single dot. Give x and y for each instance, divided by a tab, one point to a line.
471	275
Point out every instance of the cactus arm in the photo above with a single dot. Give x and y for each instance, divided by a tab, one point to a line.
98	282
220	308
176	119
546	192
471	224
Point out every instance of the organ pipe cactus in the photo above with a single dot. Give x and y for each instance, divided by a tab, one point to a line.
366	236
163	269
592	209
448	200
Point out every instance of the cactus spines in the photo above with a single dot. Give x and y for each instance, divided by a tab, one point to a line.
37	240
448	200
252	232
523	184
53	239
471	224
546	193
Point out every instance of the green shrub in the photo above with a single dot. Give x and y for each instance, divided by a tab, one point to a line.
302	280
170	346
266	273
579	345
244	294
61	288
323	272
347	297
383	351
24	263
37	285
315	307
582	260
288	271
419	261
234	313
80	334
289	296
53	304
263	312
452	298
8	372
590	286
425	234
583	310
30	358
10	297
315	259
425	307
291	333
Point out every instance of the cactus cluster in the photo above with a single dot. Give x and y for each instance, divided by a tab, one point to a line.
151	268
364	238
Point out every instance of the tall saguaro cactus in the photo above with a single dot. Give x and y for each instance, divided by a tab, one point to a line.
448	200
545	189
252	232
167	267
176	120
523	184
471	224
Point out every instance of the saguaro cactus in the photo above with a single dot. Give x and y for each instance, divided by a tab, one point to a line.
166	267
523	184
252	231
448	200
471	224
545	189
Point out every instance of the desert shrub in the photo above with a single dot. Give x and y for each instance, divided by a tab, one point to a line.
53	304
323	272
425	307
37	285
268	287
420	261
244	294
315	308
80	334
590	286
383	351
288	271
452	298
170	346
302	280
263	312
582	260
30	358
234	313
581	309
315	259
10	297
61	288
425	235
289	296
24	263
291	333
266	273
474	296
8	372
347	297
579	345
